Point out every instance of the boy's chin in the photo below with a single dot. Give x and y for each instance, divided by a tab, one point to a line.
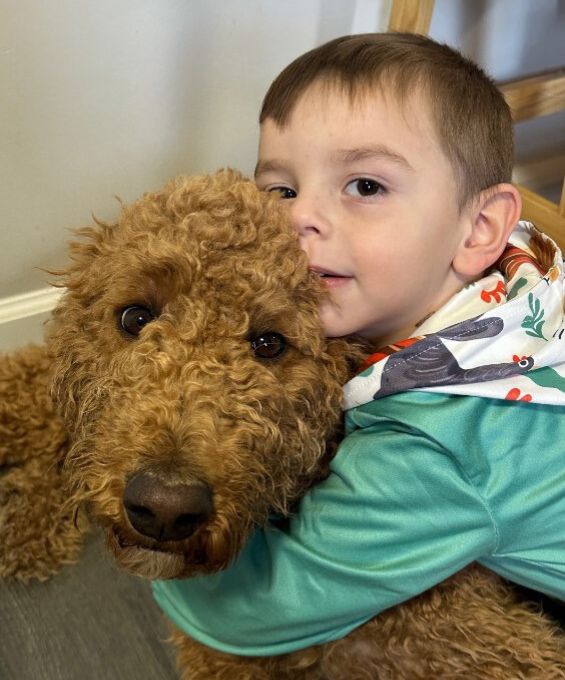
337	325
335	322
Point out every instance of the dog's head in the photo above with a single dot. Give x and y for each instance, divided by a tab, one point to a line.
192	373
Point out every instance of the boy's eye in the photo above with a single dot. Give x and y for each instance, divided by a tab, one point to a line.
364	187
285	192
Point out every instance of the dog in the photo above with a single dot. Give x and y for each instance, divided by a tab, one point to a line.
190	393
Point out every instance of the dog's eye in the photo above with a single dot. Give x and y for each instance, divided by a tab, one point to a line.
134	318
268	345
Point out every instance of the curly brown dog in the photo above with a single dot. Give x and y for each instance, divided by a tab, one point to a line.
199	395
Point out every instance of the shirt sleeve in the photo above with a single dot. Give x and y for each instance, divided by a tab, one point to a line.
395	517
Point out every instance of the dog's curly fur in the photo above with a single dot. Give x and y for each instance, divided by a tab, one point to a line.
188	401
37	531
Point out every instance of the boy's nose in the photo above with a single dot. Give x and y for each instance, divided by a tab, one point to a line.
308	218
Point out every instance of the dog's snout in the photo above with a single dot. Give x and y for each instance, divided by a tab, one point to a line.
166	512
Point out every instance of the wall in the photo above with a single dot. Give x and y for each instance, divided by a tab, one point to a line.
113	97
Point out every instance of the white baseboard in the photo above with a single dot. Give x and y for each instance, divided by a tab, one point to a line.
22	317
25	305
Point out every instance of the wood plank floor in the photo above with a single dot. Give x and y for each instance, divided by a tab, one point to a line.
90	622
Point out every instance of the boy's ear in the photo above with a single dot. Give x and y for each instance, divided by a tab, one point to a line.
491	219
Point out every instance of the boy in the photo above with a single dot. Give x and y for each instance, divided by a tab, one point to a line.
394	154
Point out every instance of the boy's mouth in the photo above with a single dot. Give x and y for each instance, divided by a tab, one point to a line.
330	278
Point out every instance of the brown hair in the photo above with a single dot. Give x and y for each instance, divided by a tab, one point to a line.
470	116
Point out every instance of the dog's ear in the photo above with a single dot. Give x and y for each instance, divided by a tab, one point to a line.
85	247
346	355
88	244
342	356
71	356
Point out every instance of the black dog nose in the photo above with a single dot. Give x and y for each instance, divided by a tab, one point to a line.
166	512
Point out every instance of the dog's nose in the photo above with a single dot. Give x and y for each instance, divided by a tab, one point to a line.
166	512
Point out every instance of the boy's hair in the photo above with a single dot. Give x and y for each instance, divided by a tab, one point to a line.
470	116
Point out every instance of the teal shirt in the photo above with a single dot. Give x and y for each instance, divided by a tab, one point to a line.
423	484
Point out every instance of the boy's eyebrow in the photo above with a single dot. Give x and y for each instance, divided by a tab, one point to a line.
379	152
268	166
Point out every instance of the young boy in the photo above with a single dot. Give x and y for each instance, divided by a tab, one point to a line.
394	154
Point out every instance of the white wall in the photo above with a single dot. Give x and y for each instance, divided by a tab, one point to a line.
113	97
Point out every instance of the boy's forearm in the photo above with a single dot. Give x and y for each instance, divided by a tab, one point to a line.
338	564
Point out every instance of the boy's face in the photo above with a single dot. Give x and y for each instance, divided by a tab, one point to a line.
374	202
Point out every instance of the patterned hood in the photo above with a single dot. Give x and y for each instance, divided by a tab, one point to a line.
502	337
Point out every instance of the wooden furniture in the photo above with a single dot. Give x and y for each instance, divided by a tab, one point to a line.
530	97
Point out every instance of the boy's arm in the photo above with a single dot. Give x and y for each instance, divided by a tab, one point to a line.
395	517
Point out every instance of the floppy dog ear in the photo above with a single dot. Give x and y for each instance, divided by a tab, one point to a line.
69	369
85	247
346	355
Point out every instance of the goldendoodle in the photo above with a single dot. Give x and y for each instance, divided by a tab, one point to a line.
197	395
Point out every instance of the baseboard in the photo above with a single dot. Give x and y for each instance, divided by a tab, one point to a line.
23	306
22	317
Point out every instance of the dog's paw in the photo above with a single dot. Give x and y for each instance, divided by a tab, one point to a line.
38	530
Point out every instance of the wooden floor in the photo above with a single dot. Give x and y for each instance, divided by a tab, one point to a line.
90	622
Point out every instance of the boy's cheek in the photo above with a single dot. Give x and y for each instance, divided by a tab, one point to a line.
304	246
